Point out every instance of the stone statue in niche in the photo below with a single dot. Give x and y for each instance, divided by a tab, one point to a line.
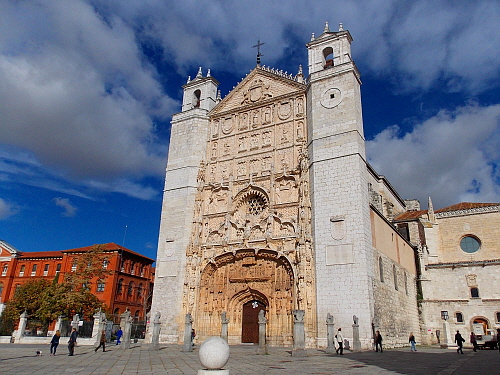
242	145
243	121
227	148
256	118
300	106
215	128
300	130
254	141
214	150
266	138
267	115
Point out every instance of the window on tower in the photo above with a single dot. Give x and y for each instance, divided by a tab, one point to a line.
328	57
196	99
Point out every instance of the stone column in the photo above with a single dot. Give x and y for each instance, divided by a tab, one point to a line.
445	338
225	322
21	327
58	325
262	349
356	344
188	326
75	322
299	335
126	324
99	326
155	336
330	334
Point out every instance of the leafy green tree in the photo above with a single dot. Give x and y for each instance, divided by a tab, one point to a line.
27	298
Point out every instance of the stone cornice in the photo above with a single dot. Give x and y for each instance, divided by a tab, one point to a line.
481	263
471	211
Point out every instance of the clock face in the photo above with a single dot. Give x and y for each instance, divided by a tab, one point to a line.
331	98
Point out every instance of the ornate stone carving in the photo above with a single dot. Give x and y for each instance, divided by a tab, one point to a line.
258	90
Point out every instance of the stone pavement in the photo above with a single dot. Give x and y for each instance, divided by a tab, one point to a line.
21	359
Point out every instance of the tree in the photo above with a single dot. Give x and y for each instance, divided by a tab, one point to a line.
27	298
89	270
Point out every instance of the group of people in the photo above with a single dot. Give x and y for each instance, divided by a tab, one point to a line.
54	343
377	339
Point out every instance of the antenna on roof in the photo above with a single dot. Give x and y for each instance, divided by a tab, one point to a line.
124	235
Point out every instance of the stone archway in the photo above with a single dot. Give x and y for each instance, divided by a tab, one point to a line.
235	279
481	322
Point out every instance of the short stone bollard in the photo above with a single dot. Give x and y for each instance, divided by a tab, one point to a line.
214	354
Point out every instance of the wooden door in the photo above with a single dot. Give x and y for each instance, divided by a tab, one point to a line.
250	321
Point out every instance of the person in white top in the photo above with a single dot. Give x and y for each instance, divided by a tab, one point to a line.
340	341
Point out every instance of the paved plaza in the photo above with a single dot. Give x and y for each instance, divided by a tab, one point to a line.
21	359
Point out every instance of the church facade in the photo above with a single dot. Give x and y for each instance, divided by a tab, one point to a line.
269	204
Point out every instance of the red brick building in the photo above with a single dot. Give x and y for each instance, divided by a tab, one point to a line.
129	286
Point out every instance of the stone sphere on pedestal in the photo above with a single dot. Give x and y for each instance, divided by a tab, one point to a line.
214	353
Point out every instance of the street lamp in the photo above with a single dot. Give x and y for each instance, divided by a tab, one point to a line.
444	315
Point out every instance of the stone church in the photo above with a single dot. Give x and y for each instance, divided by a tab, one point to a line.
270	204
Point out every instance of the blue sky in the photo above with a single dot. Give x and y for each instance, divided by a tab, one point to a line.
87	90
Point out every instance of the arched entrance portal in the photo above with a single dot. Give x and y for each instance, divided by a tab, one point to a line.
236	282
250	321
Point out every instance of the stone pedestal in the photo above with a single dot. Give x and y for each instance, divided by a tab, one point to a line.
299	336
330	335
23	320
356	344
262	349
99	327
58	325
225	322
445	335
75	322
155	336
126	324
188	341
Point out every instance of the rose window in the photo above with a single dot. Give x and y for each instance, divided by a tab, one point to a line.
255	204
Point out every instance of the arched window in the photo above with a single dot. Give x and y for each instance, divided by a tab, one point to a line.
474	292
381	269
395	274
132	268
136	315
21	271
130	289
119	289
4	269
196	99
328	57
1	291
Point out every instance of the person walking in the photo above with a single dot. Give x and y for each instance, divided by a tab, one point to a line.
340	342
460	342
54	342
413	344
378	341
473	341
498	339
102	342
72	342
119	335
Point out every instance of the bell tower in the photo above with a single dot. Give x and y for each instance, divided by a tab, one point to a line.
188	140
339	185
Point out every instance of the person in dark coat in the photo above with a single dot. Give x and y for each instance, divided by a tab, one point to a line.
54	342
102	342
498	339
72	341
378	341
473	341
413	343
460	342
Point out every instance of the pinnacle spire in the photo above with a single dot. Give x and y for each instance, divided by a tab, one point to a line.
327	28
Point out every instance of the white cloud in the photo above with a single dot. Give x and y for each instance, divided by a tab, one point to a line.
64	203
7	209
452	156
75	91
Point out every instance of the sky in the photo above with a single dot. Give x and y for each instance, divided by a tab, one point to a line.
88	88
